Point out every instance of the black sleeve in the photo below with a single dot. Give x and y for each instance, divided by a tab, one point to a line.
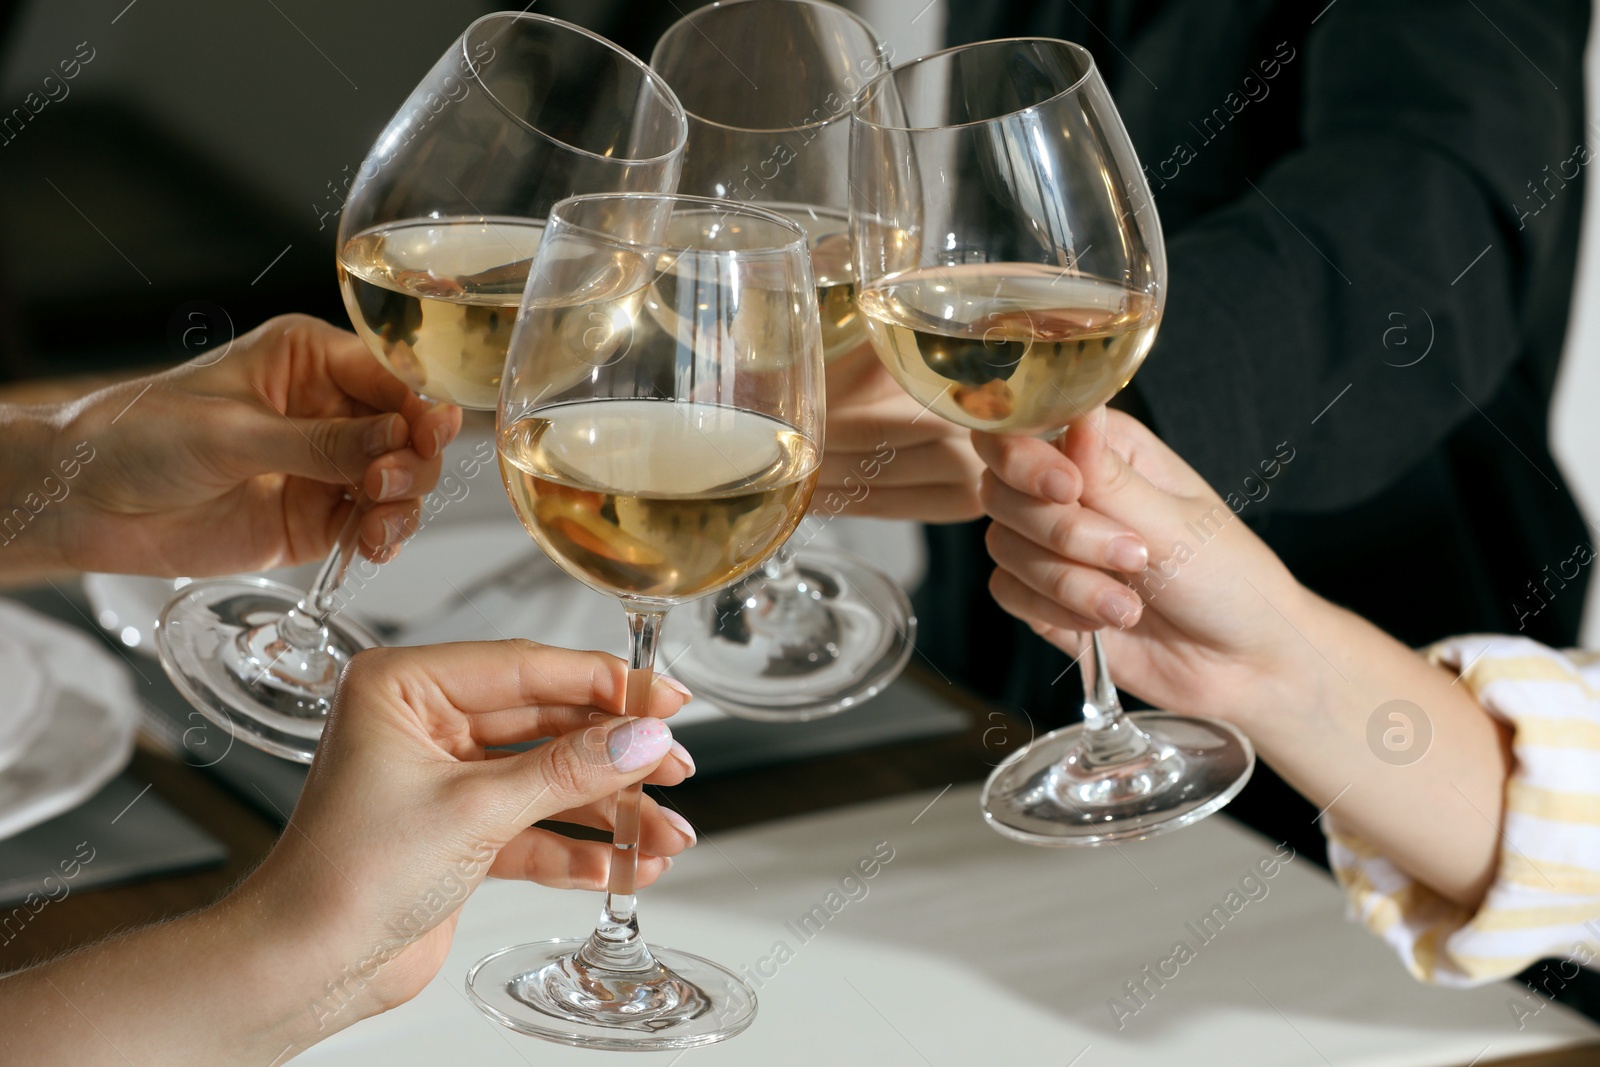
1433	136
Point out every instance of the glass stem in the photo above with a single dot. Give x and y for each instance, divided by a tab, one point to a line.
1108	736
306	626
616	943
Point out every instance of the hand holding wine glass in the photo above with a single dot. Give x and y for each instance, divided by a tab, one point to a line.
1012	275
434	247
241	459
1122	557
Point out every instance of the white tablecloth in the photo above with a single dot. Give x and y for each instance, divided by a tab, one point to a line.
969	949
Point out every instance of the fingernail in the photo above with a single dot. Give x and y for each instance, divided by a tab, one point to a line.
674	684
384	436
1060	487
1127	554
682	753
393	532
439	440
638	743
1117	608
396	483
680	824
668	865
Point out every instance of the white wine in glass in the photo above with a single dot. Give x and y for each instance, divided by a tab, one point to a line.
434	246
1012	273
1010	347
436	299
766	88
658	499
660	431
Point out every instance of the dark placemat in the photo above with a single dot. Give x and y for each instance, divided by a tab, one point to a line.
122	834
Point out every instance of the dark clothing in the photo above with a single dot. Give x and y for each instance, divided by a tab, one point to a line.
1343	189
1340	198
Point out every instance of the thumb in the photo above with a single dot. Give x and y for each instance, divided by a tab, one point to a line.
1130	475
326	450
582	767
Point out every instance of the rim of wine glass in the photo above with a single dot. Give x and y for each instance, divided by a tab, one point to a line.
650	75
722	206
1090	73
881	48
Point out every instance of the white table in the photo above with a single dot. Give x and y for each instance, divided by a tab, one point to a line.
970	949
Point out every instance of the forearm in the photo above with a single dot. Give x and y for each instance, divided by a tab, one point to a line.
216	987
1392	748
32	490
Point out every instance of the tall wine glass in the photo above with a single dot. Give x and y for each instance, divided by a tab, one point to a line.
1012	276
434	243
659	433
767	87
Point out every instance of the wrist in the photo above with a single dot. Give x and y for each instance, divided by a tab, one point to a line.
1295	675
33	491
285	966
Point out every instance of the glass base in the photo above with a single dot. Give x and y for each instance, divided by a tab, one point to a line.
1051	794
837	642
545	990
219	643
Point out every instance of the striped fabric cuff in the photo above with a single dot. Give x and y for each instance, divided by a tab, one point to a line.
1545	900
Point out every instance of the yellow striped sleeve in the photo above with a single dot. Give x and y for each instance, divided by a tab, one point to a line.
1545	901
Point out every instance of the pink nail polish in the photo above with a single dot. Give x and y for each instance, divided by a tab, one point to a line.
638	743
682	753
680	824
1118	609
1127	554
673	683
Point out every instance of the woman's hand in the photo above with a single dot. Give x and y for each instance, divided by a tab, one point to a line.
236	461
1113	532
887	457
406	810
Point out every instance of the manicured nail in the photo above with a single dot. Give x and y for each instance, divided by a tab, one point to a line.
1118	609
439	441
668	866
393	532
1127	554
638	743
673	683
396	483
682	753
385	436
680	824
1060	487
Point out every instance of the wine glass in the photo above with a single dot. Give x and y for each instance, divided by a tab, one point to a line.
767	86
659	433
434	243
1012	276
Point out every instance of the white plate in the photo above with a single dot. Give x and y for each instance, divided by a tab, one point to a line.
87	736
24	704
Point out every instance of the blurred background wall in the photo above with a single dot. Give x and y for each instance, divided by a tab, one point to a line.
199	150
